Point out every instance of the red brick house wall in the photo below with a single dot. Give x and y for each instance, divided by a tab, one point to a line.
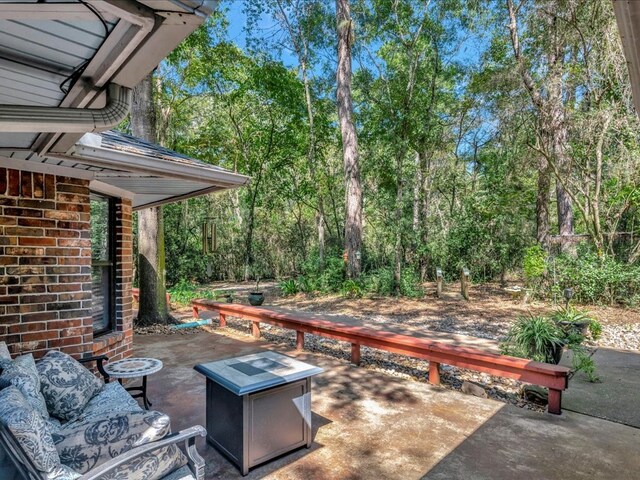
45	267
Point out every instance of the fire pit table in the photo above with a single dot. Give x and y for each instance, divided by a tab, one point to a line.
258	406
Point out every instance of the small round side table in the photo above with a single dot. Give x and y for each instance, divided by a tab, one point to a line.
133	368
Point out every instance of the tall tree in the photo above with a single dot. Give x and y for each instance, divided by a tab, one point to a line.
151	258
353	186
547	98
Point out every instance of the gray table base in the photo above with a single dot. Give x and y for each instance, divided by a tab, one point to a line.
256	427
141	392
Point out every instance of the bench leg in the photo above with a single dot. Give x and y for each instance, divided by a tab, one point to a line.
256	329
434	373
223	320
355	354
555	401
195	312
299	340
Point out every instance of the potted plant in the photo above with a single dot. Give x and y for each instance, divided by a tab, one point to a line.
225	296
544	339
256	298
535	337
572	320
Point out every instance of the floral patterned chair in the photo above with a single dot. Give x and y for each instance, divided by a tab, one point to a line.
58	421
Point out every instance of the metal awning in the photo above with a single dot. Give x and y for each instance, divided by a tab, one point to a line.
57	53
125	166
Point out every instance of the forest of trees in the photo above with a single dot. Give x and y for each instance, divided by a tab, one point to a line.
428	133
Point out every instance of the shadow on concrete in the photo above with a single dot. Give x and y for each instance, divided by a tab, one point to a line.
516	443
371	425
616	397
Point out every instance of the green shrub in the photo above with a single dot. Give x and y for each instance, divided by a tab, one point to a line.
535	337
382	282
325	279
352	289
534	264
410	284
595	329
305	284
289	287
184	291
597	280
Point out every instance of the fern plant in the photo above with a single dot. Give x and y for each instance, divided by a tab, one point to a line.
289	287
535	337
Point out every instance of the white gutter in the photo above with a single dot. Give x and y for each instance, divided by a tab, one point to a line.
23	118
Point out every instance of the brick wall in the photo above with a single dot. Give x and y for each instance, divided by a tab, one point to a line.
45	267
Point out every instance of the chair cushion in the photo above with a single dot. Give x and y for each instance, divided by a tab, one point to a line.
155	465
4	351
23	374
113	398
62	472
29	429
67	386
83	445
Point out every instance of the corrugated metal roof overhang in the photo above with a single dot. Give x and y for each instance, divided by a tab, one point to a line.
147	181
628	19
41	44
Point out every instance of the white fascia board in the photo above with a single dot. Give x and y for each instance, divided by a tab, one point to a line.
105	188
37	167
118	160
178	198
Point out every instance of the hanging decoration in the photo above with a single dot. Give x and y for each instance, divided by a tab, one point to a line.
209	240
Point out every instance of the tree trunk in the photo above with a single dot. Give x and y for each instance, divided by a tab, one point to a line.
397	271
542	203
353	187
556	126
425	169
151	260
417	187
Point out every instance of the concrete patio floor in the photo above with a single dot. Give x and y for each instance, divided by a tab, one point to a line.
616	396
370	425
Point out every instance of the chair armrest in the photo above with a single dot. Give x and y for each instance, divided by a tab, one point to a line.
99	359
188	436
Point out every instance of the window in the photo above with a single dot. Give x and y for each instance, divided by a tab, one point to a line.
102	262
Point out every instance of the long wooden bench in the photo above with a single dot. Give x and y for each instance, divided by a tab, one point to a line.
554	377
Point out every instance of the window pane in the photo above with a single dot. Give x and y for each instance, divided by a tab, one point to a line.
99	228
102	262
101	290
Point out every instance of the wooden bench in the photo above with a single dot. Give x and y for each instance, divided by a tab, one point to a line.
554	377
136	296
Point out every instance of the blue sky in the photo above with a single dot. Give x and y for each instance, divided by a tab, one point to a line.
468	53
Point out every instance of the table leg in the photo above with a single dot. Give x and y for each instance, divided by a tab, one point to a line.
145	400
